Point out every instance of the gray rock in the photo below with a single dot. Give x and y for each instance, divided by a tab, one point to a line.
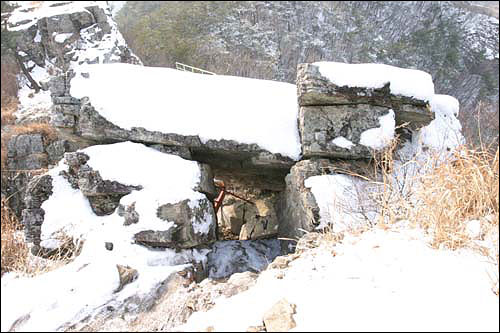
185	233
316	90
32	220
320	125
206	184
38	190
25	144
128	213
229	257
183	152
260	221
298	209
56	150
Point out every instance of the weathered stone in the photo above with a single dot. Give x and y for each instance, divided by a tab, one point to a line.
320	125
229	257
127	275
260	221
104	195
280	317
316	90
232	216
194	225
128	213
65	100
298	209
38	190
183	152
58	119
206	184
25	144
56	150
32	220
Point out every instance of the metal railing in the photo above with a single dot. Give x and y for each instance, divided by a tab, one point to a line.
187	68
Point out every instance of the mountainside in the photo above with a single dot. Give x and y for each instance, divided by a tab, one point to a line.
455	41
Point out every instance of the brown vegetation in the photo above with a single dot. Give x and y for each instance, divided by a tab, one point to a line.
14	253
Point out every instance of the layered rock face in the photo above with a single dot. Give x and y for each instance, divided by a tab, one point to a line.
329	112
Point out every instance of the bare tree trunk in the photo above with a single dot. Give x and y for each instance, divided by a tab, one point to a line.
34	85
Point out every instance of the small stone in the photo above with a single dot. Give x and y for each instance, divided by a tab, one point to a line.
109	246
280	317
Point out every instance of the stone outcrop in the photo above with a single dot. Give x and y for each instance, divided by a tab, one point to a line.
26	155
103	195
194	222
39	189
184	234
256	219
328	112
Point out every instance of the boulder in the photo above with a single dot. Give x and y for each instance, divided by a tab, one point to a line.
189	227
298	209
280	317
229	257
313	89
260	221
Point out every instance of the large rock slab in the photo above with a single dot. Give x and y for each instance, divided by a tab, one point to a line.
314	89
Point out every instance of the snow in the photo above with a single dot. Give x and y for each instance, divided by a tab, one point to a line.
60	38
343	142
378	281
87	284
340	198
403	81
444	132
380	137
35	10
211	106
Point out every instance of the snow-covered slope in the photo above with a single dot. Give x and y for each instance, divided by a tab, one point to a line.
381	280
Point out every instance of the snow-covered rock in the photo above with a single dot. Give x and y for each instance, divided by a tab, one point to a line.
130	176
56	36
360	103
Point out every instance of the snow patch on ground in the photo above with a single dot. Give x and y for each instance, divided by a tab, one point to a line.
214	107
379	281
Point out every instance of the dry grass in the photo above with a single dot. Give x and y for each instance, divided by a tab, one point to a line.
457	192
9	107
14	255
